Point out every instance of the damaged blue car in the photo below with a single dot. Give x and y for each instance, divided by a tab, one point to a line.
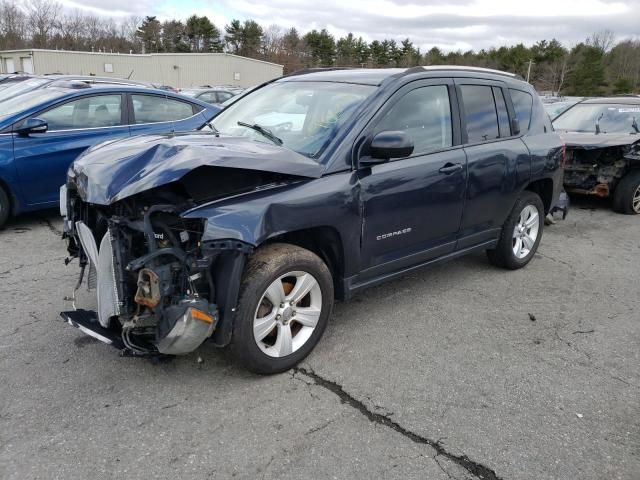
309	189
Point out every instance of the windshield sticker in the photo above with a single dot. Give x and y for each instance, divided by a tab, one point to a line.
629	110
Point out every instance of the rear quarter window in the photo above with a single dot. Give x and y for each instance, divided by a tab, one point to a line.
522	104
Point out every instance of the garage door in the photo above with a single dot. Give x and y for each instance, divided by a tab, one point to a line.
27	64
10	66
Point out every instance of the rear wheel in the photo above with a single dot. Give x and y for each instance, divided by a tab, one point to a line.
285	301
626	197
521	233
5	207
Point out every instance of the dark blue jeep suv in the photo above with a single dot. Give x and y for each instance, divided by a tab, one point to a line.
310	188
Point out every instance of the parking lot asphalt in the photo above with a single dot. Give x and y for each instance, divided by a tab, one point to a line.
463	371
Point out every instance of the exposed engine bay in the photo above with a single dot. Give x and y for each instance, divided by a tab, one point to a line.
596	168
151	272
160	288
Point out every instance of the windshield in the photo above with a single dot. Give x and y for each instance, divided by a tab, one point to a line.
305	116
610	118
26	101
21	87
555	109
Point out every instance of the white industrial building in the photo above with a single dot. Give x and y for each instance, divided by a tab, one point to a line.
176	69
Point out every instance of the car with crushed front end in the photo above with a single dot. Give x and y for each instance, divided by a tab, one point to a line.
602	137
246	233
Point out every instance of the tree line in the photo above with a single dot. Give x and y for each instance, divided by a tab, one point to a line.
598	65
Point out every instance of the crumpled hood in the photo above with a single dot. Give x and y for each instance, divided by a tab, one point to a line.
118	169
599	140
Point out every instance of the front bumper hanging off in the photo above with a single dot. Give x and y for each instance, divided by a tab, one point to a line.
87	322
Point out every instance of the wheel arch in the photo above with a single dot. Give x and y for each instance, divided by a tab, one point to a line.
543	187
326	242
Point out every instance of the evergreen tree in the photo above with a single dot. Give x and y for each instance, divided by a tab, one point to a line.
150	34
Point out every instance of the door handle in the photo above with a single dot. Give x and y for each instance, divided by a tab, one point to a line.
450	168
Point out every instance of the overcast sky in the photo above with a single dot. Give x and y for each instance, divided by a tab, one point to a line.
448	24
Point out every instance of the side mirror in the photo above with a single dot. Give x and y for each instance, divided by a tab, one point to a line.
32	125
387	145
515	126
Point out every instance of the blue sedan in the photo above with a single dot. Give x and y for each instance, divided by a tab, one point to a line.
43	131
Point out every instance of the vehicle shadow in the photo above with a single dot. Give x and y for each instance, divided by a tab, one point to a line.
28	221
589	202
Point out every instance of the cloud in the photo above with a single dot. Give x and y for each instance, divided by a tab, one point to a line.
448	24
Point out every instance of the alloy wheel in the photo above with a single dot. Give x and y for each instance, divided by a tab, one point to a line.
526	231
635	201
287	314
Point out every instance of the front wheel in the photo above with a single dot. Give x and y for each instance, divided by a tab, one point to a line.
521	233
626	197
285	301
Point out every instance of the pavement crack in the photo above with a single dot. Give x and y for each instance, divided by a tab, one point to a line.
47	223
435	459
474	468
322	426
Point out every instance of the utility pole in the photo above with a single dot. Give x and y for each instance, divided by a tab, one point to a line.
529	69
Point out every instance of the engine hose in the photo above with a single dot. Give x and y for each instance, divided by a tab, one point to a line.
141	261
167	230
148	228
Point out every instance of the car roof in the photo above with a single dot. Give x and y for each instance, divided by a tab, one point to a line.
621	100
79	88
95	79
375	76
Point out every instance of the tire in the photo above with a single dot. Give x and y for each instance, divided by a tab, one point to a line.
626	197
281	272
504	255
5	207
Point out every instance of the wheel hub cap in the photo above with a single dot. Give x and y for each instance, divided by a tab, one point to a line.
287	315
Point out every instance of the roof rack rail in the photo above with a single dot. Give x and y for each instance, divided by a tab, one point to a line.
317	69
471	69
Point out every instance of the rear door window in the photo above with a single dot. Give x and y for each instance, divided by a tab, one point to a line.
480	113
156	109
522	104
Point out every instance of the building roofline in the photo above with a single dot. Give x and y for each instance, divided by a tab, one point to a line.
49	50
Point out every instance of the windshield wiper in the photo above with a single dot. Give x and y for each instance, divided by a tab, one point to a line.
598	123
262	131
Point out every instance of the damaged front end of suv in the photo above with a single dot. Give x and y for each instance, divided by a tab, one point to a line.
164	282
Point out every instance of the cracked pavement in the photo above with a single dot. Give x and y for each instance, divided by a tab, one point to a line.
460	372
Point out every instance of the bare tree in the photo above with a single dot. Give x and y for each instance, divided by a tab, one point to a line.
272	41
603	40
71	30
42	17
12	25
